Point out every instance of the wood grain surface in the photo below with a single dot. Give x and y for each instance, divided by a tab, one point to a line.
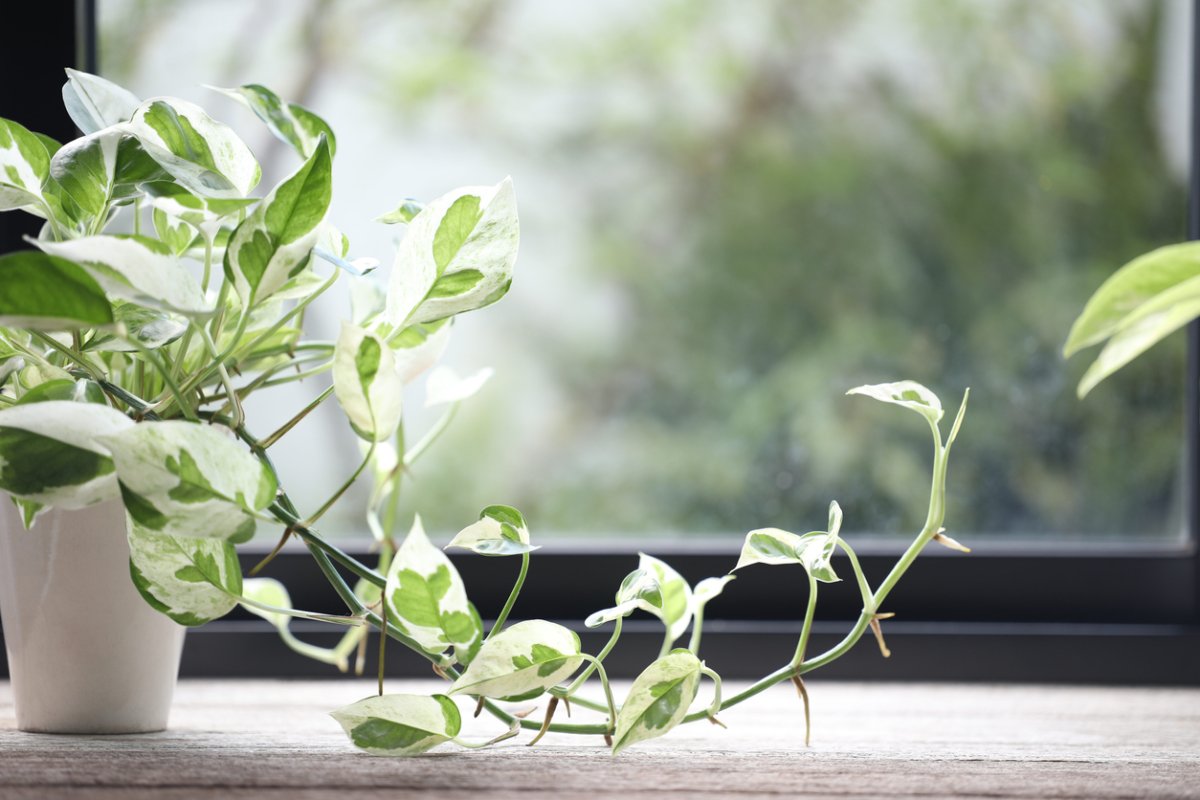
274	739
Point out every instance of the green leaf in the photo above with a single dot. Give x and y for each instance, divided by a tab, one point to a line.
188	479
289	122
1142	279
427	599
76	391
814	551
444	385
192	581
51	452
400	724
94	103
136	269
203	155
909	394
457	255
500	531
1146	326
522	660
275	242
175	233
48	293
24	169
366	383
86	169
658	700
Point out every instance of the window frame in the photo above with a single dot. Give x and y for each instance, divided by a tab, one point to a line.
1123	613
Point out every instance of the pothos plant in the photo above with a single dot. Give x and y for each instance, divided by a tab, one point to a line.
161	294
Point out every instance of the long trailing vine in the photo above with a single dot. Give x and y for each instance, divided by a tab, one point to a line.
127	361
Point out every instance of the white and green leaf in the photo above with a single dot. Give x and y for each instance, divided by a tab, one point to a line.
418	347
405	212
457	255
203	155
43	292
187	479
138	269
639	589
52	452
907	394
707	590
658	700
94	103
400	724
500	531
814	551
274	243
291	123
522	661
24	168
676	609
367	385
192	581
427	599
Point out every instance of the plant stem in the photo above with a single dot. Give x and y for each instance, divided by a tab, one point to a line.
603	654
342	489
430	436
294	421
806	630
697	627
512	597
668	640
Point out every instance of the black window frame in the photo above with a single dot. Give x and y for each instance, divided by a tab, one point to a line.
1109	613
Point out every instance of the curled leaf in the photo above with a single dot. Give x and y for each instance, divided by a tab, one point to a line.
400	724
907	394
500	531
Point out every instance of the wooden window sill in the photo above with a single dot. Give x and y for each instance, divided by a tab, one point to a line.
239	738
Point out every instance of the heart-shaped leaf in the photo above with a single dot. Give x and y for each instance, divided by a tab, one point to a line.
192	581
274	243
658	700
814	551
187	479
457	255
521	661
427	599
500	531
94	103
291	123
366	383
400	724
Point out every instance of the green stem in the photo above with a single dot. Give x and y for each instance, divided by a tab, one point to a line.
608	695
430	436
697	627
294	421
603	654
512	597
342	489
70	354
668	640
806	630
863	586
248	349
715	706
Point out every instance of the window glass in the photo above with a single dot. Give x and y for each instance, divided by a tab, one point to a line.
732	213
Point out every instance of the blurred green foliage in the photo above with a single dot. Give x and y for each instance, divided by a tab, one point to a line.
782	200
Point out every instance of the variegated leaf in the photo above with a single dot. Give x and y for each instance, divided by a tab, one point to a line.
51	452
708	589
149	328
94	103
290	122
275	242
908	394
814	551
188	479
522	661
46	293
192	581
366	383
427	599
400	724
205	214
639	589
203	155
138	269
457	255
24	169
658	700
500	531
676	609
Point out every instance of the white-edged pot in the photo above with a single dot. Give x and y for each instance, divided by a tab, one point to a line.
86	654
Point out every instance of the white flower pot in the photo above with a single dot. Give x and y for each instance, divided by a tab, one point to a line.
86	654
